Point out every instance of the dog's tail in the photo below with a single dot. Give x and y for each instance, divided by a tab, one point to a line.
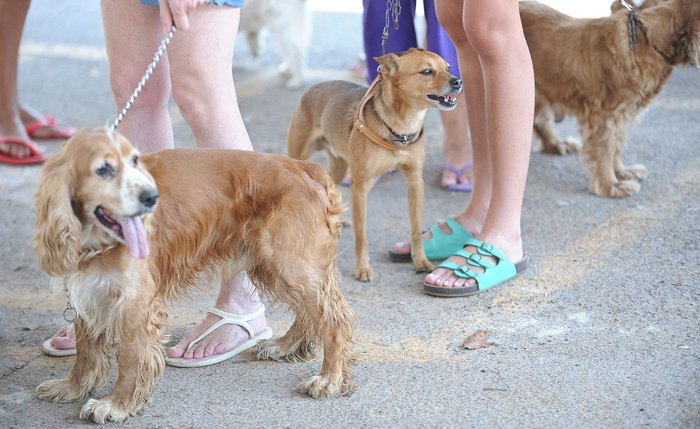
334	207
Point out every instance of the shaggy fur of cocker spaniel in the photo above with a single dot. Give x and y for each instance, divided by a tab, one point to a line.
129	233
590	69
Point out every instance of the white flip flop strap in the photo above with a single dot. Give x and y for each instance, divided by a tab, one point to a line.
230	319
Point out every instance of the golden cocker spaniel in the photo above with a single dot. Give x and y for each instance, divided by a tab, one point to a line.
127	233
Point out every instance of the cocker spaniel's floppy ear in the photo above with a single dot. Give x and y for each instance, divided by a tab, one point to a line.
57	232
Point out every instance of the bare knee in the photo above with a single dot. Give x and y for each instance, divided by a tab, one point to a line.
193	100
451	22
154	94
488	42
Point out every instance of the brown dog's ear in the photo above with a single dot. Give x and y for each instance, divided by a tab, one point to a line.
387	64
411	50
673	28
693	43
57	232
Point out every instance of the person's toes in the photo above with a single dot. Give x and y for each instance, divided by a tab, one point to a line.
63	343
446	280
14	150
178	350
191	353
210	349
432	278
401	247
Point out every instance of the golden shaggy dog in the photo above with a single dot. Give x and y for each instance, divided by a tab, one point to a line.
604	72
125	233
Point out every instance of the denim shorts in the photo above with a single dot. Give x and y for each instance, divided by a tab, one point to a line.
231	3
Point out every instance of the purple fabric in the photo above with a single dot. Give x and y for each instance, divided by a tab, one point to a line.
405	37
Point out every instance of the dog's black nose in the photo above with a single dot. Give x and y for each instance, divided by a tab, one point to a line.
149	197
456	82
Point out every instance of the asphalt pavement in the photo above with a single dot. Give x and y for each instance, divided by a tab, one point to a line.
601	331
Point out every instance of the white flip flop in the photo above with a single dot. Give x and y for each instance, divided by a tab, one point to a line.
50	350
226	319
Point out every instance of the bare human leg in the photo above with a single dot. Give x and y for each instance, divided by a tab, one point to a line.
499	83
13	15
203	88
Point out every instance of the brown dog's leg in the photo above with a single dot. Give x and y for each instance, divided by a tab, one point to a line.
416	196
297	345
90	370
360	186
600	153
140	361
634	172
334	320
551	143
338	168
321	313
301	135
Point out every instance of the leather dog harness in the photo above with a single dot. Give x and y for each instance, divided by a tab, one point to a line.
401	142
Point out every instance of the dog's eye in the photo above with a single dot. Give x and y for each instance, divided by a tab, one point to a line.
106	170
427	72
448	68
135	160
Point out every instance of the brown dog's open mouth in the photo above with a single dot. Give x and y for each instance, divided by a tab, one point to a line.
129	228
108	221
447	101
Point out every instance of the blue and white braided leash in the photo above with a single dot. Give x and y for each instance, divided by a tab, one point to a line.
159	53
70	314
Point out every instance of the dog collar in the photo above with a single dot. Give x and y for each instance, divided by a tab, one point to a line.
636	24
405	141
402	138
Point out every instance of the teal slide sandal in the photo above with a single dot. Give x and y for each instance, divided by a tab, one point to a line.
441	245
492	275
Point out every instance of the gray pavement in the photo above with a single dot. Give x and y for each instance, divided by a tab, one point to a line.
600	331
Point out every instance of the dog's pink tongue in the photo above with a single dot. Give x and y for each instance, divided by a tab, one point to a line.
135	236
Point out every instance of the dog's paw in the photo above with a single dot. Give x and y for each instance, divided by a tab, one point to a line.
633	172
423	265
320	386
364	274
303	351
60	390
103	410
621	189
562	147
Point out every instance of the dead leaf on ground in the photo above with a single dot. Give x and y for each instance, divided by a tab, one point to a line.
478	340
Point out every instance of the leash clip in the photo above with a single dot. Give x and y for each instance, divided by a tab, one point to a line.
70	314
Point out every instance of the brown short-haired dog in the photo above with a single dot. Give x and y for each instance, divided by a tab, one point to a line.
101	209
374	130
604	71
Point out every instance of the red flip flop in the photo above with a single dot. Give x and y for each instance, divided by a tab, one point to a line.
35	156
55	133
